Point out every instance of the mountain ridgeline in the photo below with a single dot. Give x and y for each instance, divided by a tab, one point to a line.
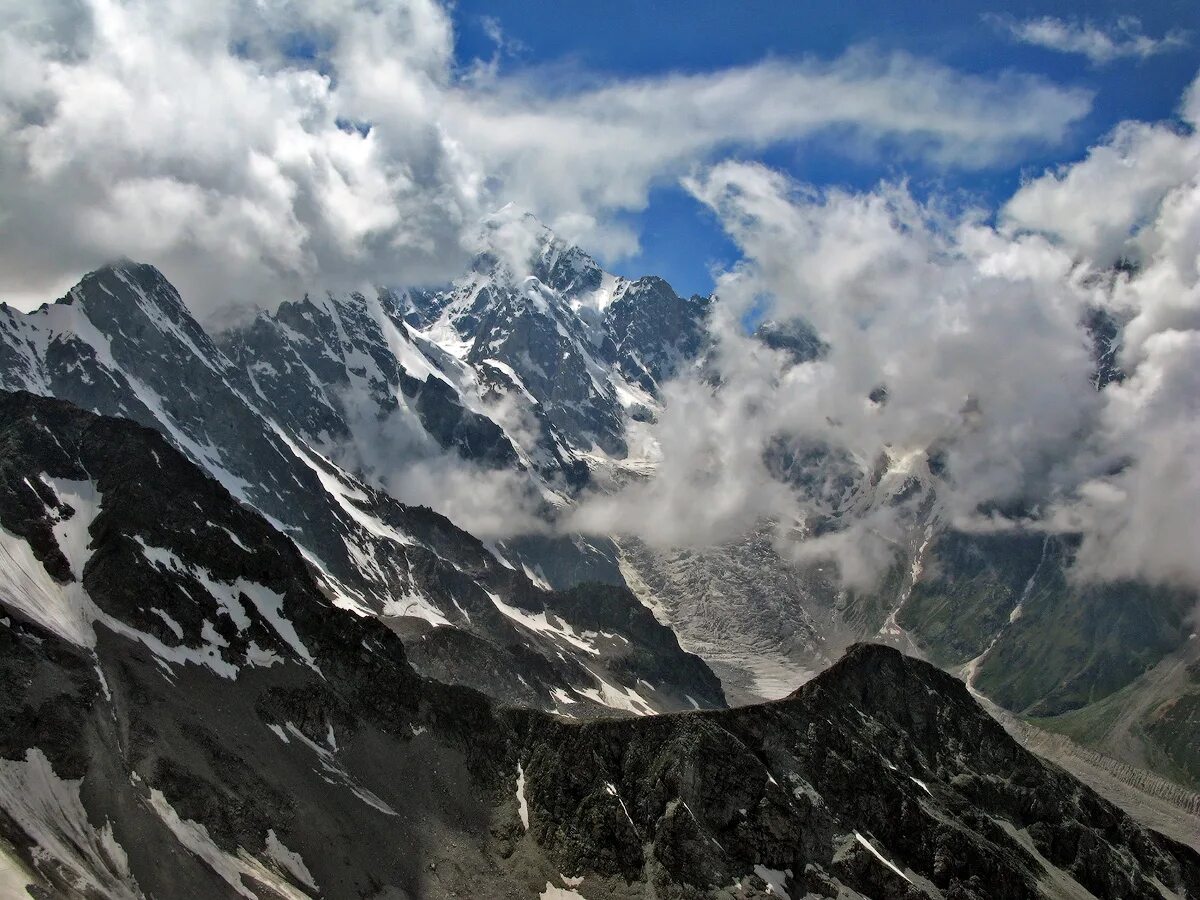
187	714
235	664
122	343
546	377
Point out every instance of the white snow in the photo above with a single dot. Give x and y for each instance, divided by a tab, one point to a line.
154	312
270	607
25	584
611	790
562	696
538	577
879	856
616	696
260	657
279	733
413	605
230	868
103	682
289	861
341	596
227	597
508	370
13	874
922	785
28	588
408	352
71	533
66	609
556	893
344	489
49	810
175	627
522	803
774	879
233	537
540	622
206	456
611	287
336	774
340	486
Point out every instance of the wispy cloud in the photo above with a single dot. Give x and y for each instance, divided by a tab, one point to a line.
505	43
1124	39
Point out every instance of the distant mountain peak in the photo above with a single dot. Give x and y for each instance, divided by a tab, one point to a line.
514	244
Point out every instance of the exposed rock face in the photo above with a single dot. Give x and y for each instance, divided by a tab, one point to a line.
315	365
794	337
879	746
554	355
184	713
177	691
122	343
653	332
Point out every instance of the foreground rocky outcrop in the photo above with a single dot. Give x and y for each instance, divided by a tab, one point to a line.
184	713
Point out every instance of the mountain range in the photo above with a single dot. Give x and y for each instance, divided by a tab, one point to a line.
186	714
250	647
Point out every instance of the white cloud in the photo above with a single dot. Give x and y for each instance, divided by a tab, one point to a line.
975	336
977	333
505	43
1124	39
1144	522
1094	207
254	149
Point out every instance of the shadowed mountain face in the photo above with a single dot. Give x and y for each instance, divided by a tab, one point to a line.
185	714
1112	664
122	343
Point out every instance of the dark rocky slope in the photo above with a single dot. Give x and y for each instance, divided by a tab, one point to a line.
184	714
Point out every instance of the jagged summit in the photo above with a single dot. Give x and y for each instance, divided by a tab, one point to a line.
514	244
274	415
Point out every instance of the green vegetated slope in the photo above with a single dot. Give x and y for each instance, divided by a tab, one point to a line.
1110	664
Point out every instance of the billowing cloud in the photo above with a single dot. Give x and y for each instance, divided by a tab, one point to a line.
1123	39
255	149
952	338
227	142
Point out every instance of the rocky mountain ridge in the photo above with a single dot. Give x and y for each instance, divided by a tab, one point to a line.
123	343
187	714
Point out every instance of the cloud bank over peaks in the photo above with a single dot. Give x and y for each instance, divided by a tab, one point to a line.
977	336
255	150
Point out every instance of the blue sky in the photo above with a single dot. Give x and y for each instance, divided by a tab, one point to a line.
621	38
